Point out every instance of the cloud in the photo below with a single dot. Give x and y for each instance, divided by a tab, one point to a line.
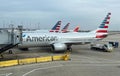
87	13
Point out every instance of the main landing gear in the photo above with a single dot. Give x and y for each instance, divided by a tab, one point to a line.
69	49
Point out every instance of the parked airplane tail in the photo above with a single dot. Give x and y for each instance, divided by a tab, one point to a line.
56	28
76	29
102	30
65	28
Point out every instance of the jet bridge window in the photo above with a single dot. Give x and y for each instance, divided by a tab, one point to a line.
17	36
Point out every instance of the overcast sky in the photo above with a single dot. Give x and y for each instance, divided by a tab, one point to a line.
43	14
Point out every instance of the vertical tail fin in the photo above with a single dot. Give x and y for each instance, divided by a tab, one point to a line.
102	30
76	29
65	28
56	28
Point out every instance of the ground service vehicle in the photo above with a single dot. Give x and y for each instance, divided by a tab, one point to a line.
105	47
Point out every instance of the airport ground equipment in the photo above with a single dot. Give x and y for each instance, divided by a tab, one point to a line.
114	44
106	47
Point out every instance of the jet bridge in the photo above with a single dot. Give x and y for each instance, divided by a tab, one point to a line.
9	38
5	37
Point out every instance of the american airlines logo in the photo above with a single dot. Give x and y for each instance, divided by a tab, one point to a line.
23	35
41	38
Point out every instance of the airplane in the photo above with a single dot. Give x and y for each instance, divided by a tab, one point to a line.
64	41
65	29
76	29
56	28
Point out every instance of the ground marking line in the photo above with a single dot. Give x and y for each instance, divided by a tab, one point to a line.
7	74
40	69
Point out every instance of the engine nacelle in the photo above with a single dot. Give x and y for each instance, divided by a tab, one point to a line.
59	47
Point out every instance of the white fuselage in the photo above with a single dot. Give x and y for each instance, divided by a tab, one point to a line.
46	39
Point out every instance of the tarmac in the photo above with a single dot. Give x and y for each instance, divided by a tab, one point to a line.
84	62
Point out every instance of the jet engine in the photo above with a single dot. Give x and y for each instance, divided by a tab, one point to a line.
59	47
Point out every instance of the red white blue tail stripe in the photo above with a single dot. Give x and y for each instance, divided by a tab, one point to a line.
76	29
102	31
65	29
56	28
